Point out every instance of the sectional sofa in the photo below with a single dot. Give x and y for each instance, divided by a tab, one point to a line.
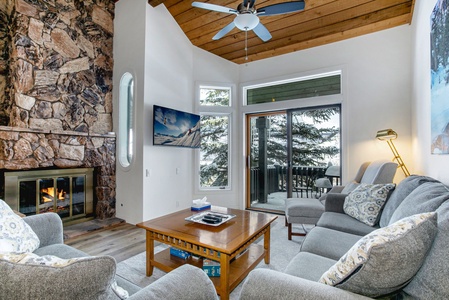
404	255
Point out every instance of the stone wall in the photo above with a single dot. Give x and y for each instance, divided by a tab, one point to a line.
56	89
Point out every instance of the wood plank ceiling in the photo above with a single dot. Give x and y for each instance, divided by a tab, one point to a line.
321	22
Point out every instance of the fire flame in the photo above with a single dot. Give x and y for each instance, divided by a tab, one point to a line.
51	194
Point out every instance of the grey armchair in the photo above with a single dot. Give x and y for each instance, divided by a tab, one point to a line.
308	210
93	277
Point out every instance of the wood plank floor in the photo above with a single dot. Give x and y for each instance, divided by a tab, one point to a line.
121	242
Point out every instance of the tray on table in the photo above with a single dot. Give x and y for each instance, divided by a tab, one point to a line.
200	217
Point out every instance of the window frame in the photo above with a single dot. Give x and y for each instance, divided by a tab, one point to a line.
216	110
245	88
126	120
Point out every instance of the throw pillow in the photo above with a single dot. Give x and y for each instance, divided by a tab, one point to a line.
366	201
385	260
15	233
56	262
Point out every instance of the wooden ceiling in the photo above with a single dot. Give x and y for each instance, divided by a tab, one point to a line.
321	22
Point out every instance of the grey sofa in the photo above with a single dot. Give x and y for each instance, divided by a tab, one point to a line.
337	232
92	278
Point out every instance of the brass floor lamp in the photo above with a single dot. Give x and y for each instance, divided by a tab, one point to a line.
389	135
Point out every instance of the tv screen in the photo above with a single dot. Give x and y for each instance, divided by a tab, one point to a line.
172	127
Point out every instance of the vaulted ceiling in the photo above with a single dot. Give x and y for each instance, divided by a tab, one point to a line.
321	22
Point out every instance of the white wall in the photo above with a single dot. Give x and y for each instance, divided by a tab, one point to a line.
376	90
161	179
129	53
426	163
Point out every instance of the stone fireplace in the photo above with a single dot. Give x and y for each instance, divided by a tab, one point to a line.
56	92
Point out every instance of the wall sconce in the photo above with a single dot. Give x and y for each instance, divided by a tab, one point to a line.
389	135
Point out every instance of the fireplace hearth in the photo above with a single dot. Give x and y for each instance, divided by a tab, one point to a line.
67	192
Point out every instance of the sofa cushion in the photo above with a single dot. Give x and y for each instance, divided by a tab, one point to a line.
308	266
61	250
343	222
34	277
432	279
350	187
425	198
403	189
366	201
15	233
329	243
385	260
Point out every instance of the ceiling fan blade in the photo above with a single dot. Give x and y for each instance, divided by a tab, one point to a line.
262	32
224	31
214	7
281	8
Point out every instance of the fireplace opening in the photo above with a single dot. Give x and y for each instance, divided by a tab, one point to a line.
67	192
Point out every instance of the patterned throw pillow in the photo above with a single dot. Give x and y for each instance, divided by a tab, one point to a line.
366	201
15	233
55	262
385	260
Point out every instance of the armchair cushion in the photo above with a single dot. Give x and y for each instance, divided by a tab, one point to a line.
15	234
385	260
83	278
366	201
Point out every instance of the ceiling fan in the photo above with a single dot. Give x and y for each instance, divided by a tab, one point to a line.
247	16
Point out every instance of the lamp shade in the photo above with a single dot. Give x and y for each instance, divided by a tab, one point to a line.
386	134
246	21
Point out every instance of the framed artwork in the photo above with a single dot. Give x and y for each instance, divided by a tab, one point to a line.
439	68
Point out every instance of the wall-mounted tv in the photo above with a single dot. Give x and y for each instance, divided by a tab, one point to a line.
172	127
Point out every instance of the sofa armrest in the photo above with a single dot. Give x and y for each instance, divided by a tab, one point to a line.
265	284
334	202
48	228
186	282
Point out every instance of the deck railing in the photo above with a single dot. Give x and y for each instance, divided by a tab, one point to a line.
303	180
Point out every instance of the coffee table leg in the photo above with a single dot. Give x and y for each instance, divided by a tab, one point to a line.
224	277
266	244
150	253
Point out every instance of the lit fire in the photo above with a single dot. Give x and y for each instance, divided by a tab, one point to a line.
49	194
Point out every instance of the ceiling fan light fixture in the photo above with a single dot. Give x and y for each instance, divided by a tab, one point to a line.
246	21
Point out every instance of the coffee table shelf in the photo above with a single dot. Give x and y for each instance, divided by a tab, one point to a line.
238	268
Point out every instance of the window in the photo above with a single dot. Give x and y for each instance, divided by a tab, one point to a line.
210	96
298	88
214	162
126	119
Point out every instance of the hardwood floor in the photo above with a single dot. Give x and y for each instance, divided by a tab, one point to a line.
121	242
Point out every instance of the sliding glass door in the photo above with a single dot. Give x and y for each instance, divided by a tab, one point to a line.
287	151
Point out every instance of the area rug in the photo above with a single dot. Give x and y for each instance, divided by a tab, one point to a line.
282	251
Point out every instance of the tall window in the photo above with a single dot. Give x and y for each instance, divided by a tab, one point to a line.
126	119
215	137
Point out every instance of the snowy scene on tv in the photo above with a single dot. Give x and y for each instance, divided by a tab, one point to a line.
176	128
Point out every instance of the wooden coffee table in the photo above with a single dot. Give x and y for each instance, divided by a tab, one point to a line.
231	244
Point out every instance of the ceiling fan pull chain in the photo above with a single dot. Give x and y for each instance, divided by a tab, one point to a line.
246	44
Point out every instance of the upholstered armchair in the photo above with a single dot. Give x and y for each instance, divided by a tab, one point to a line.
308	210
